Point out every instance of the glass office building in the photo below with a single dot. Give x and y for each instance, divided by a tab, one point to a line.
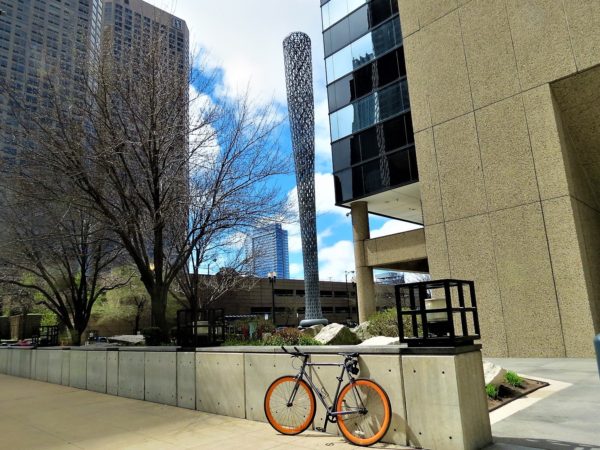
369	107
269	245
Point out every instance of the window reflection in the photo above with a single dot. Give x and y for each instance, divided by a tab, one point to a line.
363	50
369	110
335	10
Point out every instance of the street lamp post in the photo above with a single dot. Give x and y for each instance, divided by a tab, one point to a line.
348	294
272	278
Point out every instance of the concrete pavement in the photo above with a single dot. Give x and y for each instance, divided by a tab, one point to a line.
569	419
37	415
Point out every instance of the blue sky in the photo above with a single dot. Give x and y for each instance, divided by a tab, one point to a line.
242	41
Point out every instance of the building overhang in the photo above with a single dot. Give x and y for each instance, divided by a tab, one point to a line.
402	203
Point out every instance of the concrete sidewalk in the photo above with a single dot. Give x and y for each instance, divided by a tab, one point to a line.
37	415
565	420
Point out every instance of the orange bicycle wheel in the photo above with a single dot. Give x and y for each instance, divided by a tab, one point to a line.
368	412
289	418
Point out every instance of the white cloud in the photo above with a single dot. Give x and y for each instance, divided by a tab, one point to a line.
296	270
393	227
335	260
244	37
324	196
294	240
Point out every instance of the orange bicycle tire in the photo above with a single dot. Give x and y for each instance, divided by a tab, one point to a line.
380	415
303	413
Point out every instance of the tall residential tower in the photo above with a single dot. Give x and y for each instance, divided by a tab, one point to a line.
269	245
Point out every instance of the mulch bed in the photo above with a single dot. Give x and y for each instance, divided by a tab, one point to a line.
508	393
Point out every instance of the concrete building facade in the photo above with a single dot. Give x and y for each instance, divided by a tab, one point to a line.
506	119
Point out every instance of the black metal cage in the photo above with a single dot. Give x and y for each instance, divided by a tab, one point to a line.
47	336
202	328
438	313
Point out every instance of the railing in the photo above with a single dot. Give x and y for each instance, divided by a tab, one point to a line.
439	313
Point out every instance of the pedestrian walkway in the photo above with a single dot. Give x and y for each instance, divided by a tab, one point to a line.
568	419
37	415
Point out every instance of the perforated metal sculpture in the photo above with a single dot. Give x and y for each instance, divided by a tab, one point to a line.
298	79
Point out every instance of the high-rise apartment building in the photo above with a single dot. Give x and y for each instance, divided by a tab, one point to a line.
131	23
505	114
40	37
269	249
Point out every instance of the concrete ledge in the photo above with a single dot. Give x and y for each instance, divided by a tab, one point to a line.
437	394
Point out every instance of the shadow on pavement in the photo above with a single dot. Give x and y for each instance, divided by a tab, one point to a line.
547	444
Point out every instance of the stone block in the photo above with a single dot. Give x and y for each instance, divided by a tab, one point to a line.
420	13
337	334
445	70
416	69
445	401
55	358
506	154
78	369
573	290
489	52
471	254
112	372
227	397
459	165
541	41
437	251
160	369
429	179
186	380
583	18
527	289
493	374
66	367
131	374
96	371
41	365
546	142
260	370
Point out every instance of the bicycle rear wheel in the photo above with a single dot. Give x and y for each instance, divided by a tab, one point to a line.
286	416
368	412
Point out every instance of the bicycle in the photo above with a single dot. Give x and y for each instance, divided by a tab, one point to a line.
361	409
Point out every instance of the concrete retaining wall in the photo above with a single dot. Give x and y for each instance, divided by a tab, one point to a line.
438	400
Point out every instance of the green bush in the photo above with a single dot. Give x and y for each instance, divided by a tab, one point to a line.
513	379
290	336
384	323
491	391
152	335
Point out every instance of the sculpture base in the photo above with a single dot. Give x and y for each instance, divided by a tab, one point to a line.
310	322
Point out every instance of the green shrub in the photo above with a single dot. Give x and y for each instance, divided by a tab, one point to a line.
152	335
491	391
290	336
384	323
513	379
233	342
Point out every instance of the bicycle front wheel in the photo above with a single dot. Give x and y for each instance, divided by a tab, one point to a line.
366	412
286	414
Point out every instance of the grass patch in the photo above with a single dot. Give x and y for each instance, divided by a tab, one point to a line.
513	379
491	391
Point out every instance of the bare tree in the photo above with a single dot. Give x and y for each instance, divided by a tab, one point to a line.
62	256
159	166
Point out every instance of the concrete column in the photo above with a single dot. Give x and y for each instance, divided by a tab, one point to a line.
365	288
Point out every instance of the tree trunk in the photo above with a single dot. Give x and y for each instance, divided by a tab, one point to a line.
75	337
159	311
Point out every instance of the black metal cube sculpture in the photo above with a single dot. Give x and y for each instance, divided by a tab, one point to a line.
47	336
200	328
437	313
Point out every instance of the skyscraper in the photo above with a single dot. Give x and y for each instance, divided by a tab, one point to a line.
269	247
39	37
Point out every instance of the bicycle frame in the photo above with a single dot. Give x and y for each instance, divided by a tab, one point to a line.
331	414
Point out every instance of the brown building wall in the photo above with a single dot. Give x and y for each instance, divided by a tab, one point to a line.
505	199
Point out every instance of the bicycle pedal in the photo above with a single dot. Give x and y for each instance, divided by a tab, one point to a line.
321	429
